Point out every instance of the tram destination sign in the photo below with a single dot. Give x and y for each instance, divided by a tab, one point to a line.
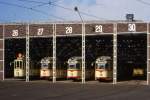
132	27
14	31
68	29
40	30
1	31
99	28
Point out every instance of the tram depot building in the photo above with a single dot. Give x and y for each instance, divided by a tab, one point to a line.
127	43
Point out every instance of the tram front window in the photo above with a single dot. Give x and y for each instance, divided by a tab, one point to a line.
21	64
72	66
17	64
78	66
50	65
44	65
100	66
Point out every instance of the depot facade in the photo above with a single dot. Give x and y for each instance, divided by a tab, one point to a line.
54	30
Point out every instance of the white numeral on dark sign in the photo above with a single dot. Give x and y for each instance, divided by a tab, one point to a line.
15	33
68	30
98	28
131	27
40	31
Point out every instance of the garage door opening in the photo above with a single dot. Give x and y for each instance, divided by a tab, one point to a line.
41	53
15	51
69	55
99	58
132	57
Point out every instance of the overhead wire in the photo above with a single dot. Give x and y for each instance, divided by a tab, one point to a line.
52	1
54	4
143	2
30	8
40	3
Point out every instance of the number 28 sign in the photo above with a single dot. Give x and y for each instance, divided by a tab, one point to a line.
68	30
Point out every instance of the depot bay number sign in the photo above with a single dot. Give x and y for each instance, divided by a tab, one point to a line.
42	30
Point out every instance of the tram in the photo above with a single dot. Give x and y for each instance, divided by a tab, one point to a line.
138	72
20	67
103	68
74	70
46	70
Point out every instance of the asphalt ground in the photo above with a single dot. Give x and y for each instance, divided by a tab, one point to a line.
46	90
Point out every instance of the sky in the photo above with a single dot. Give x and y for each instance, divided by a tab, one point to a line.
63	10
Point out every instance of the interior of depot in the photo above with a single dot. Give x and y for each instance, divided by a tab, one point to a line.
69	58
15	57
41	52
13	48
99	58
131	58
